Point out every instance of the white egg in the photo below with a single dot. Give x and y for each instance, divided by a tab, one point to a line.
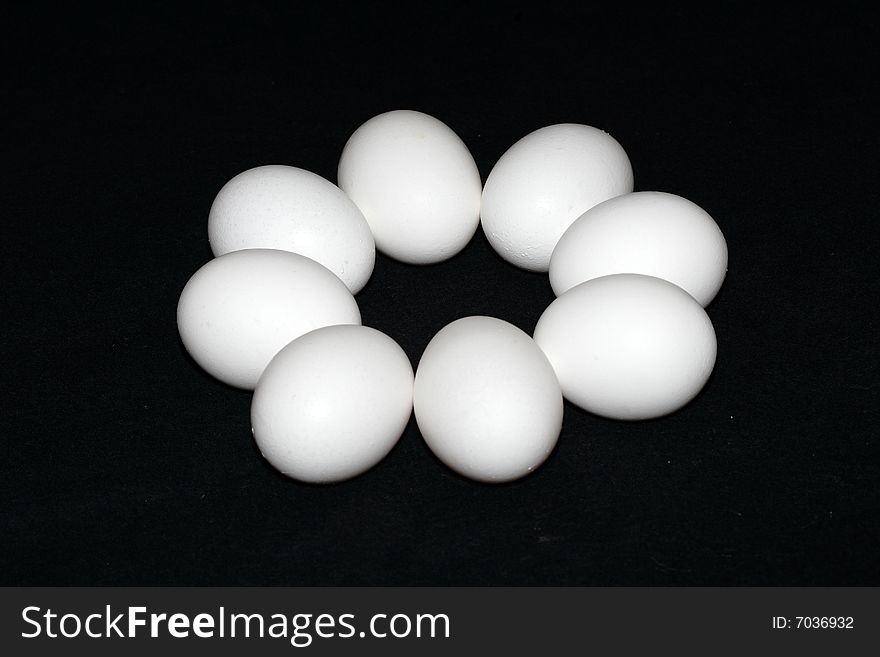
652	233
332	403
543	183
486	400
628	346
281	207
416	183
240	309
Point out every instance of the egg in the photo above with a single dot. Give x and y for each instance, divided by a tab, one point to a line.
290	209
416	183
486	400
628	346
652	233
240	309
543	183
332	403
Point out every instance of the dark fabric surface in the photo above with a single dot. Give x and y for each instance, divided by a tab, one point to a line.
123	463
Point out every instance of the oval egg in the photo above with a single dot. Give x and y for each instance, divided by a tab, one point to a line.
651	233
543	183
628	346
332	403
290	209
486	400
240	309
416	183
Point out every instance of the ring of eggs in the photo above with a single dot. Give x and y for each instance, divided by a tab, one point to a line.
627	337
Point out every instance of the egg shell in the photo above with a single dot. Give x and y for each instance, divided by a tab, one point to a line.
416	183
628	346
543	183
290	209
240	309
332	403
486	400
651	233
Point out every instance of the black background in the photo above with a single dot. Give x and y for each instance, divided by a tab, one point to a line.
123	463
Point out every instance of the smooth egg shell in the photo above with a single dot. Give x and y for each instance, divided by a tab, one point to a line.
240	309
628	346
332	403
486	400
652	233
416	183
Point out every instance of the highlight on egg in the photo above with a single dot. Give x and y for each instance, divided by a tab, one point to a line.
240	309
332	403
652	233
628	346
415	182
486	400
